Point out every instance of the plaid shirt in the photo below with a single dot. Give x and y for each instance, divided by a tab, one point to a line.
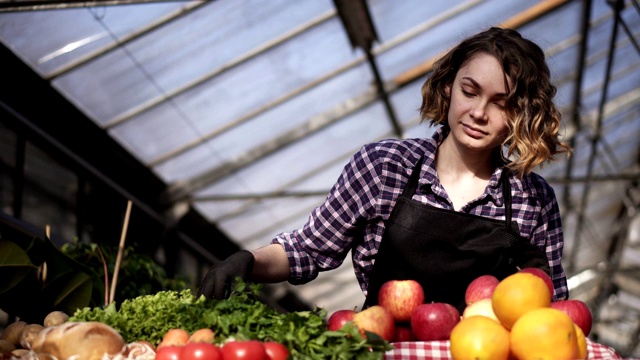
353	215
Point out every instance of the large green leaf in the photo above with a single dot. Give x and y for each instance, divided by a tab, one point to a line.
69	292
62	269
15	265
67	286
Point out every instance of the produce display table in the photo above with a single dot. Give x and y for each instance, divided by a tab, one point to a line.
439	350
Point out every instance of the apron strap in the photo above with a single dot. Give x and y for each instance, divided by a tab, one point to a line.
506	193
412	185
521	253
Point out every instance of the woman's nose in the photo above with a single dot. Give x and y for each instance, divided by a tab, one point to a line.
479	111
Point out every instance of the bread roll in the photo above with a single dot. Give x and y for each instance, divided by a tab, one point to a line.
80	340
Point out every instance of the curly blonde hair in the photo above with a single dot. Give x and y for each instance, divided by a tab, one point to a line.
534	120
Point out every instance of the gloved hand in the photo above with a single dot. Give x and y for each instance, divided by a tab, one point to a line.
522	254
217	282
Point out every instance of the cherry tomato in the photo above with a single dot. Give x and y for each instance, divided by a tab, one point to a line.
240	350
276	351
169	352
200	351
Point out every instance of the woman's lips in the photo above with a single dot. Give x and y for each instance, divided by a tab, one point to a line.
473	132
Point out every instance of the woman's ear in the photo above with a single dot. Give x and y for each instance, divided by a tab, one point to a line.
447	90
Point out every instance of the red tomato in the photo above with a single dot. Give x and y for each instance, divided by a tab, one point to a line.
200	351
276	351
169	352
240	350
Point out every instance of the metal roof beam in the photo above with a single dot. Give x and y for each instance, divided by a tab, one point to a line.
38	5
595	139
182	190
524	17
357	22
306	87
151	104
577	98
124	40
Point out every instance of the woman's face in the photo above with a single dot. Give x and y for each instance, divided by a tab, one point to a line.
478	96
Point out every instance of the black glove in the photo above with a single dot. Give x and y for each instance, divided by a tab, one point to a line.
522	254
217	282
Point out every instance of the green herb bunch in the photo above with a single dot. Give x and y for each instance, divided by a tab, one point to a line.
242	317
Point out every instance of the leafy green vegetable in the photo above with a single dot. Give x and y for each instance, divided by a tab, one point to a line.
242	316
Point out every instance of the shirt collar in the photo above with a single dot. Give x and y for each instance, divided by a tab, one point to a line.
428	171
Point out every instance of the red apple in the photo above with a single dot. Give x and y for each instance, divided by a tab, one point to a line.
400	297
403	333
340	317
480	288
434	321
377	320
578	311
541	274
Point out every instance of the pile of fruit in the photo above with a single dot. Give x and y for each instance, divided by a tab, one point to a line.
511	319
516	318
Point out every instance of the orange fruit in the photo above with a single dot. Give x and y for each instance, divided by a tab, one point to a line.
517	294
582	343
479	338
544	334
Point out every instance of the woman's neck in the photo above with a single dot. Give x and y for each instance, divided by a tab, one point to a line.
456	161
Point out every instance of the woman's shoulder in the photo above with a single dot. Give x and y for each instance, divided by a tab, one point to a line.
406	151
536	185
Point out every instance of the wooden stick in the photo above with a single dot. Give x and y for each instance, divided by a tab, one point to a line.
105	268
43	267
114	279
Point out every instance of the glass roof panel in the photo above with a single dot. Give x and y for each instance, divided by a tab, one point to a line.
553	28
107	86
197	37
392	18
273	76
251	224
268	125
428	44
335	141
318	182
63	44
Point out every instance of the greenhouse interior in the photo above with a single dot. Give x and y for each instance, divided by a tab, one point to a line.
190	130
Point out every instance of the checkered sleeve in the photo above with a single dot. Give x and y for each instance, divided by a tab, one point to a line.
336	225
549	235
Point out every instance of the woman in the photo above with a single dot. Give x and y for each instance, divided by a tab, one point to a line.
443	210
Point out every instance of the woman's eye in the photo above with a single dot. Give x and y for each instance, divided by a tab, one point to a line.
500	106
467	93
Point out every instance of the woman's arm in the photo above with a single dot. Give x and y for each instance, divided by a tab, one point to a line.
550	233
271	264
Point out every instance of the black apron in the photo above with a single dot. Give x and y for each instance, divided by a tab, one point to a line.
445	250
